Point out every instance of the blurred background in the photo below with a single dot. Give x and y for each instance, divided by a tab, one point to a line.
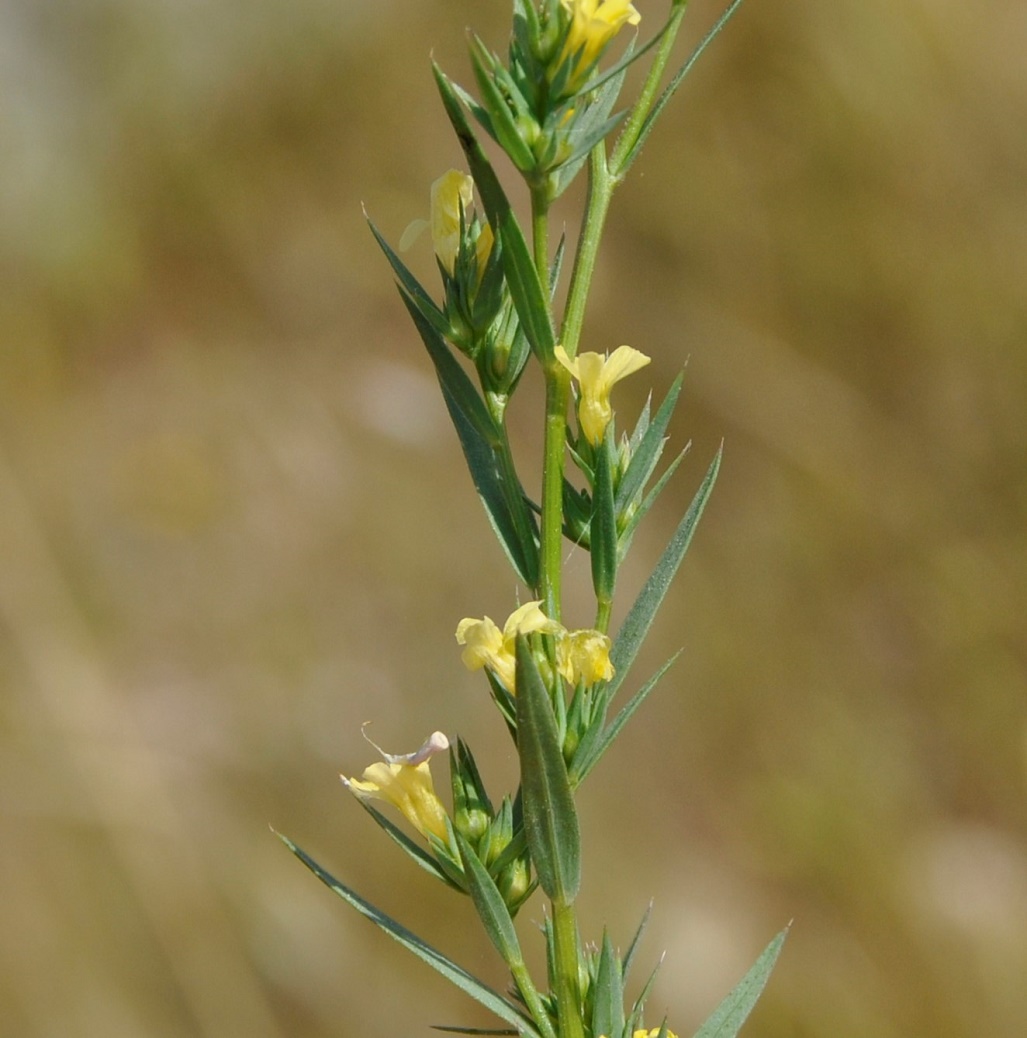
235	524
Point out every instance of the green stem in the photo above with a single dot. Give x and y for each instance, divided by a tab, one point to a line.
603	609
568	992
551	551
540	232
526	986
554	446
597	205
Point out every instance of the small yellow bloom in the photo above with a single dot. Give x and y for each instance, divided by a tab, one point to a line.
594	23
654	1033
487	646
584	656
405	781
451	195
597	376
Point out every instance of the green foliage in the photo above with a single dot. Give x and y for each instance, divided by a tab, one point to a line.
727	1019
550	818
455	974
549	108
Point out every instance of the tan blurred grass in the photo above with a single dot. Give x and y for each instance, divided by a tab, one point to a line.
229	533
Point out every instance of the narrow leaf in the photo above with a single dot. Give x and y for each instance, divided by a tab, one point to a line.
492	910
480	440
550	819
648	450
672	86
628	532
608	998
602	533
590	753
526	288
454	381
728	1017
421	856
639	1004
640	618
411	286
457	975
504	126
629	956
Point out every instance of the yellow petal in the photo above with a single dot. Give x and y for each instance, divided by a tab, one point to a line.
451	195
526	620
585	656
622	362
407	786
571	365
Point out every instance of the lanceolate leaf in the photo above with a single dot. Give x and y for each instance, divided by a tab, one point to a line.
629	955
608	998
492	910
647	452
603	528
728	1017
411	286
457	975
502	120
672	86
550	819
421	856
526	289
507	511
591	750
640	618
454	380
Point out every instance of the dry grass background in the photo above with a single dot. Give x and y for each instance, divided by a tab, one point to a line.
234	523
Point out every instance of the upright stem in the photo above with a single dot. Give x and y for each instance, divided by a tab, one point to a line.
568	991
597	204
557	396
603	610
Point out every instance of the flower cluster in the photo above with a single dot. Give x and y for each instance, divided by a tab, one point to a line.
581	656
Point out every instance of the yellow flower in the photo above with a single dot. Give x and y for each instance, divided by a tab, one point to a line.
597	376
654	1033
594	23
404	781
584	656
451	195
487	646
